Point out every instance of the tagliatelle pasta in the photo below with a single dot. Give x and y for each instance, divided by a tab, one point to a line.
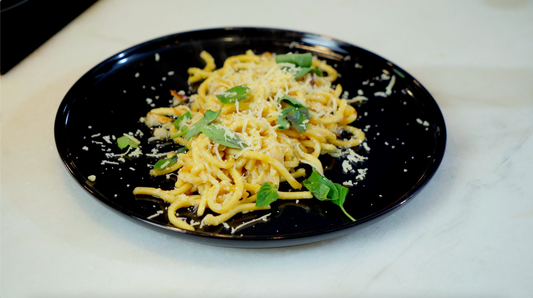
252	121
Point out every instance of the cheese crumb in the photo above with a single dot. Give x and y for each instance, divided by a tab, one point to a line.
348	183
136	153
347	167
380	94
361	174
367	148
159	212
92	178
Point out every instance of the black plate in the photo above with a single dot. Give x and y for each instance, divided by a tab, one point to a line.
405	131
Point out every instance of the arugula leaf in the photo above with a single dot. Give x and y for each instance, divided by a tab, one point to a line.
209	116
165	163
234	94
220	135
267	195
181	124
302	60
325	190
304	70
125	141
296	116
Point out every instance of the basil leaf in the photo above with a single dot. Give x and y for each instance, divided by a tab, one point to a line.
182	150
325	190
209	116
223	136
165	163
125	141
162	163
343	192
282	122
304	70
319	190
181	124
267	194
321	187
292	101
233	94
298	117
302	60
180	133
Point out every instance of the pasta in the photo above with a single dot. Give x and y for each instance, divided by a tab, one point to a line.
252	121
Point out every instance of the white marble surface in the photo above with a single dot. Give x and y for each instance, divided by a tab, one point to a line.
468	234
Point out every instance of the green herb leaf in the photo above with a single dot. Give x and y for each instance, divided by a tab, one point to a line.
298	117
182	150
223	136
292	101
162	163
325	190
179	134
165	163
319	190
282	122
234	94
302	60
182	120
125	141
304	70
181	124
267	195
209	116
321	187
343	192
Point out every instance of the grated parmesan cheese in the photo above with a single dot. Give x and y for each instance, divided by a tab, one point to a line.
348	183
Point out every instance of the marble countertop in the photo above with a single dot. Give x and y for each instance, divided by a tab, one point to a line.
467	234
